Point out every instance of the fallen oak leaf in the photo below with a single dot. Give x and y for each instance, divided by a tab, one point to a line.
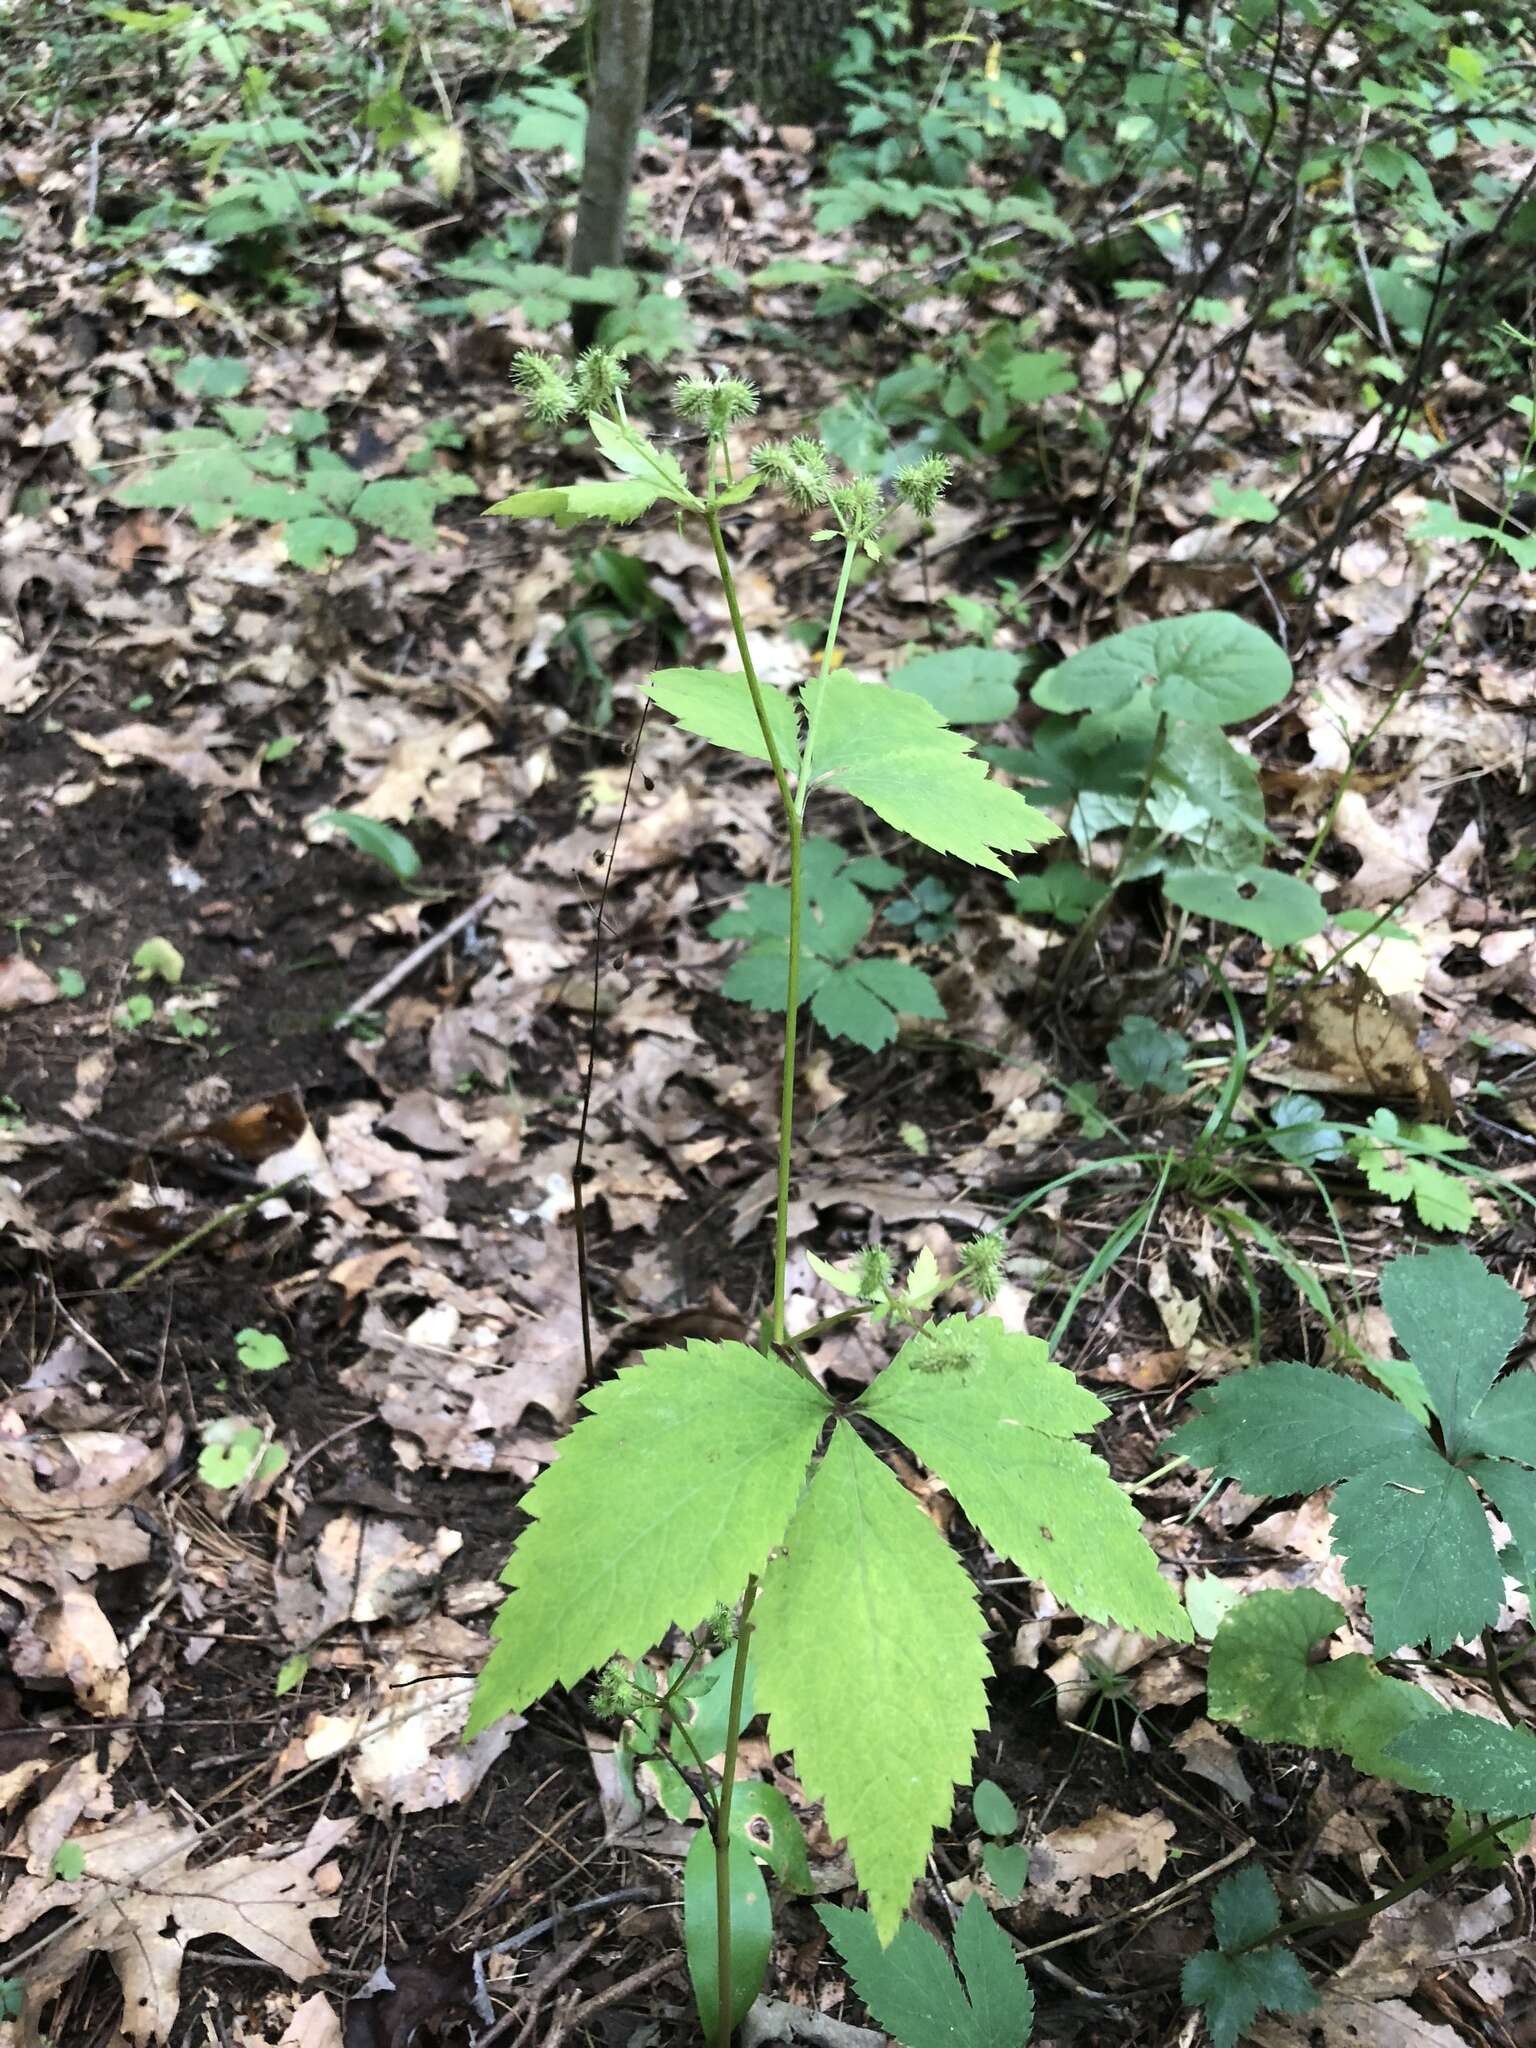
138	1901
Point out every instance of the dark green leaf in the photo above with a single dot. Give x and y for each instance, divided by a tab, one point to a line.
1294	1428
965	685
1280	909
1458	1322
380	842
1145	1055
912	1991
1483	1766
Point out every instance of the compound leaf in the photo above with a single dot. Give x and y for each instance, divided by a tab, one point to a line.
1484	1767
400	506
985	1409
1212	668
1262	1681
665	1498
1293	1428
1280	909
1144	1054
1415	1536
869	1661
1458	1322
719	707
895	753
1233	1989
862	1001
911	1988
1504	1422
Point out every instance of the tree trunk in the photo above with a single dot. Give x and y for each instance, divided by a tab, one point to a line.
779	52
614	107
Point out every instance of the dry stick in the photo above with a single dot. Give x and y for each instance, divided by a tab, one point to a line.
1148	1909
388	983
625	1988
234	1214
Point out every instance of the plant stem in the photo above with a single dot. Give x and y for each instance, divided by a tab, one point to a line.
723	2027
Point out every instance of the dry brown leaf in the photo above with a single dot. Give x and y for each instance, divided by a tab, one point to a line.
18	1221
1341	2021
24	985
364	1568
187	750
1064	1864
140	1902
1355	1042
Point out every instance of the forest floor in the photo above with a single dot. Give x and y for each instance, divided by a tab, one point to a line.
178	712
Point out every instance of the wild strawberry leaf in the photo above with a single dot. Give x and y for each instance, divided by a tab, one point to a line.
665	1498
869	1661
986	1410
895	753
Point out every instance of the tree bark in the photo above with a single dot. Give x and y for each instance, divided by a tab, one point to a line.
779	52
614	109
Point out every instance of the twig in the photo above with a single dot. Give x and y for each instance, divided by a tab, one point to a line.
579	2015
235	1213
388	983
1149	1908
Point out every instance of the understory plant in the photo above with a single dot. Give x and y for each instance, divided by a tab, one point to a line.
716	1489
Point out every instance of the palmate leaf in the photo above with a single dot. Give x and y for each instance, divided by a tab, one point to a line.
1263	1681
985	1409
1458	1322
910	1986
1292	1428
1234	1988
666	1497
895	753
867	1640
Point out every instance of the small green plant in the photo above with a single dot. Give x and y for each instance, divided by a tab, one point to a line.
913	1991
1244	1976
260	1350
1005	1861
788	1517
386	844
1408	1509
237	1453
857	999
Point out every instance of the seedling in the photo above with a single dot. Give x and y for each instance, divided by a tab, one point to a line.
237	1453
259	1350
1005	1861
380	842
788	1516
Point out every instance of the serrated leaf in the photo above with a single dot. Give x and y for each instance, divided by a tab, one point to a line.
1263	1680
665	1498
1415	1535
893	752
1441	1201
1061	890
381	842
1212	668
400	506
1504	1423
634	455
1001	1431
1282	910
1233	1989
719	707
1301	1131
1144	1054
1483	1766
911	1989
1458	1322
965	685
751	1930
1293	1428
868	1647
846	1007
618	502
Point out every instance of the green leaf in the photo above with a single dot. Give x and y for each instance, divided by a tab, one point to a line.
1264	1681
893	752
1232	1990
400	506
965	685
207	481
1441	1201
1483	1766
751	1930
1302	1132
291	1674
159	960
1244	504
1458	1322
1504	1423
868	1647
719	707
70	982
863	1000
995	1812
665	1498
1146	1055
630	452
1414	1534
259	1350
69	1862
230	1451
617	502
213	377
1282	910
1210	667
911	1988
1061	890
770	1830
1033	375
1293	1428
381	842
311	543
1000	1428
1007	1867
